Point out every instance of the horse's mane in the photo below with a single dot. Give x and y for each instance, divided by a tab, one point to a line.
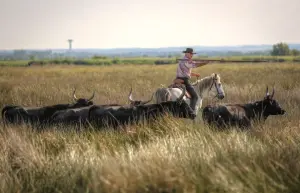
205	79
206	82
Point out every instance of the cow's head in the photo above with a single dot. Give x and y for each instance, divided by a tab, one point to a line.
136	103
82	102
270	105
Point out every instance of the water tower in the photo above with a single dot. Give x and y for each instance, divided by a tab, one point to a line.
70	44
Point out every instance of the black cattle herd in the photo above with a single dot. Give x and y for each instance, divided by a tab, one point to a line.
83	112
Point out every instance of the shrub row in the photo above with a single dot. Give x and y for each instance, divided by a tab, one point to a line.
138	61
103	62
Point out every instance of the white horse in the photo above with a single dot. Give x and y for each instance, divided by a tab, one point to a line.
200	86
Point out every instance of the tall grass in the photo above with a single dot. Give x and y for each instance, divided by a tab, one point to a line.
171	155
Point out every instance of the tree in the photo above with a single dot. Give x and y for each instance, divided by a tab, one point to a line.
295	52
32	57
280	49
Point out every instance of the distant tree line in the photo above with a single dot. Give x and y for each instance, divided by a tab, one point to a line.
282	49
279	49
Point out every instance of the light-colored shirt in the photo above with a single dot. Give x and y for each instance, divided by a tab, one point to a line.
184	68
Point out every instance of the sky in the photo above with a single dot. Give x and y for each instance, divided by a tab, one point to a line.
41	24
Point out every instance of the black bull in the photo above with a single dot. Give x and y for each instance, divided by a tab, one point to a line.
241	115
112	117
35	115
80	115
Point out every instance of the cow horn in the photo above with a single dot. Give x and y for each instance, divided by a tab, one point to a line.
273	92
130	96
145	102
92	96
74	96
182	95
267	91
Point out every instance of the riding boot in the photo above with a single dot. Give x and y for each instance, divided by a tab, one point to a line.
194	96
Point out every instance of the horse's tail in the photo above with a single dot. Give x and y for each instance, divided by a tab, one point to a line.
162	95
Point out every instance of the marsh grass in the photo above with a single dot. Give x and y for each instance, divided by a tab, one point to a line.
169	155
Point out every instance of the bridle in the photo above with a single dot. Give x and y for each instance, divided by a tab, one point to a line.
213	83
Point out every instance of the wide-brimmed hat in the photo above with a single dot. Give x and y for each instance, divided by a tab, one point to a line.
189	50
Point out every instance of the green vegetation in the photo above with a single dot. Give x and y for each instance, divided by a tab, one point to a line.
102	60
171	156
282	49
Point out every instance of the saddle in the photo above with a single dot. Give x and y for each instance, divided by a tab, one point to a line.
178	83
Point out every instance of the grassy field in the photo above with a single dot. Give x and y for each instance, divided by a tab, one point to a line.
172	156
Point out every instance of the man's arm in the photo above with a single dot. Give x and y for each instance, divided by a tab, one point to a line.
192	64
198	64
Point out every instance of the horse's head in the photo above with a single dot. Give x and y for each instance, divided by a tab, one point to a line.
216	82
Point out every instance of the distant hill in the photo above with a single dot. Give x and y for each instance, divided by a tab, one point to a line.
202	50
158	52
239	48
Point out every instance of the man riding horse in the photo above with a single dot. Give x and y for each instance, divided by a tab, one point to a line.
184	73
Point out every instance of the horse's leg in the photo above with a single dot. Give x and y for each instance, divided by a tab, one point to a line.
194	121
198	109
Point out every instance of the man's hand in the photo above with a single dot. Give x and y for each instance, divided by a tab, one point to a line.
195	74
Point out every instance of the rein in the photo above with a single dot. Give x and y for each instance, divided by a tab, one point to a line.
213	83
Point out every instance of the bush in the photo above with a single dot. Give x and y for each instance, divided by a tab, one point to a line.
162	62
